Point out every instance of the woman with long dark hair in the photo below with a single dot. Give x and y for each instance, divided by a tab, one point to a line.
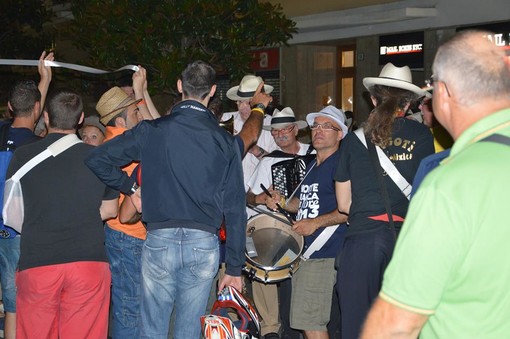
375	203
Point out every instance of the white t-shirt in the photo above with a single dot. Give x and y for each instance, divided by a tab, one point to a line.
266	141
263	175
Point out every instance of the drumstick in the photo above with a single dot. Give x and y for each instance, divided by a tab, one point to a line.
280	208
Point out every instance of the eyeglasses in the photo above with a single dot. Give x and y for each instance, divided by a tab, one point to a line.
429	84
286	130
325	127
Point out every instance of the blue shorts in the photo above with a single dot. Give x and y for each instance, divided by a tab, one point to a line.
9	257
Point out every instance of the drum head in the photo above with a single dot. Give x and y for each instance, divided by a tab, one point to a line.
271	244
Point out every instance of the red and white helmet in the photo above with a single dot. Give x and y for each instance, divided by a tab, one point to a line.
219	324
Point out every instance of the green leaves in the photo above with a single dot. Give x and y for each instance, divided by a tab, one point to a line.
165	35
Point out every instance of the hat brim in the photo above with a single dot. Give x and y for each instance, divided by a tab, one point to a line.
105	119
310	118
370	82
299	123
232	93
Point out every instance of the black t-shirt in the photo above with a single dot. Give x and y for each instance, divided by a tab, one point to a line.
62	199
411	142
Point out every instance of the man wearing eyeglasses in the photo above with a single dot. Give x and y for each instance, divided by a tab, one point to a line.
284	128
317	216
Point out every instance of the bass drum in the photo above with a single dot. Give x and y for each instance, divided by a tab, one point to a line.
273	249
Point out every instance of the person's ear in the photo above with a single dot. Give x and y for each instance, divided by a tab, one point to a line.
179	85
374	101
46	119
213	90
120	122
82	116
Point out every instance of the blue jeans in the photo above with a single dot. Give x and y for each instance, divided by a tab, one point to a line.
178	267
124	254
9	257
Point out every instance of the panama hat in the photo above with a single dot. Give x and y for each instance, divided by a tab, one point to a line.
284	118
398	77
330	112
247	87
113	102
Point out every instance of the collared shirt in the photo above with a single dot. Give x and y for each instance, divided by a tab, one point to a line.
451	258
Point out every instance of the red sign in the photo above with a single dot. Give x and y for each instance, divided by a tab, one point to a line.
266	60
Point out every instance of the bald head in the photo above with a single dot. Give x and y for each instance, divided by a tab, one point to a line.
473	68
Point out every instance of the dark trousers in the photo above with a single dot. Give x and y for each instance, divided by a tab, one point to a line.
361	266
285	292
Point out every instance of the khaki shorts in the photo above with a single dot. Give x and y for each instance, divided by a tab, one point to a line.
312	292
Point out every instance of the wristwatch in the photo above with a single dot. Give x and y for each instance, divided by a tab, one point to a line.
259	105
133	189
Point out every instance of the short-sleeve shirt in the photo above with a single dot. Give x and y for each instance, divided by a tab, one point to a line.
263	175
317	197
451	261
265	140
62	198
410	143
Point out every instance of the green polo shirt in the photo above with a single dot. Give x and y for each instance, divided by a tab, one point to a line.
452	258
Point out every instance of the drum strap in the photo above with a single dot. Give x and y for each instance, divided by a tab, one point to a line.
317	244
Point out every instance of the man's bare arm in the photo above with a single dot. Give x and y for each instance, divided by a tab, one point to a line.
128	213
343	196
385	321
45	74
109	209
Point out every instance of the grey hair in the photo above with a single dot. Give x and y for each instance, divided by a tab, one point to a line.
472	67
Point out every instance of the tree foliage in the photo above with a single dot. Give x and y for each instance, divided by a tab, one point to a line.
24	34
165	35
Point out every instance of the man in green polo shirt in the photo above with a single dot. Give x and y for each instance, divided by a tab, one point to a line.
450	273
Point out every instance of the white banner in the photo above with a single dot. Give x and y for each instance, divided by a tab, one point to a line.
17	62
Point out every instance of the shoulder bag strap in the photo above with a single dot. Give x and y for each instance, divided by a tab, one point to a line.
498	138
377	167
385	162
4	133
54	149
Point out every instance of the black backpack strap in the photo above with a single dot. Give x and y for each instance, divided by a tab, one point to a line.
4	136
498	138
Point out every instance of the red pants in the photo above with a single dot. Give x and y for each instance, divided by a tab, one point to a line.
63	301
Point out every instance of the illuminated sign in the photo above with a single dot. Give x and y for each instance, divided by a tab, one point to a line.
404	49
500	36
265	60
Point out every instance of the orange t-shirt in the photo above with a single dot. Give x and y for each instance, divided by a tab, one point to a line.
136	230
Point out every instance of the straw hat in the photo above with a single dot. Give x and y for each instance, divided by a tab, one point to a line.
284	118
399	77
330	112
113	102
247	88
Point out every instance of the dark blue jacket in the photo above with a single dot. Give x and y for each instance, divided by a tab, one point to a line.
191	174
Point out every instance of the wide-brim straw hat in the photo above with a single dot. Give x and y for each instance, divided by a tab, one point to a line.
284	118
113	102
246	89
398	77
330	112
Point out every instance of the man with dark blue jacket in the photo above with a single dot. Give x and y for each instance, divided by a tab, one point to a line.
192	177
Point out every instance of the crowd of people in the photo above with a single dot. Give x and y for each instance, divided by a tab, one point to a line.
101	257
